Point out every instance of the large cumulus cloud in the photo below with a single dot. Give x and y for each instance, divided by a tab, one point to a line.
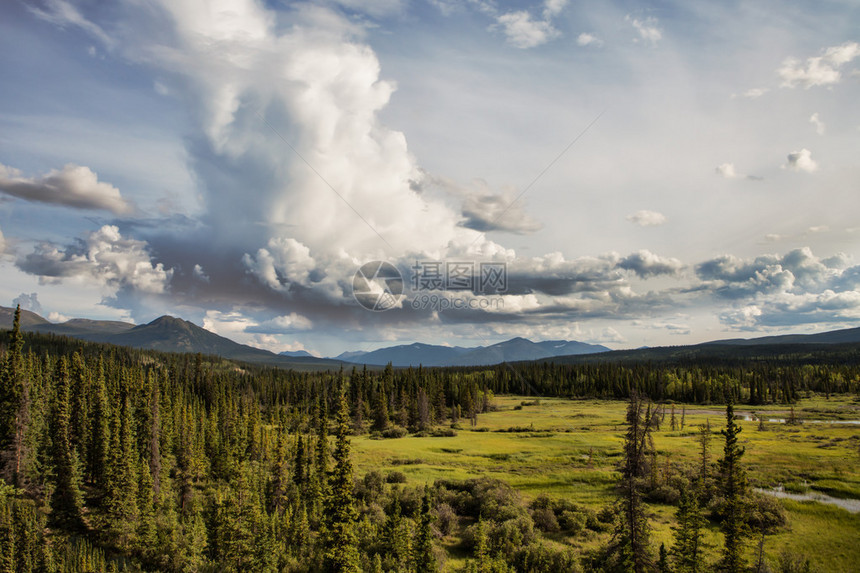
103	257
773	290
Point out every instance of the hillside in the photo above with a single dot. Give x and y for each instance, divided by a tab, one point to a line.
166	334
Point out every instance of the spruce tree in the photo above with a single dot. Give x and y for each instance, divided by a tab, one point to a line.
688	534
121	495
704	439
66	501
321	455
424	560
634	553
99	435
394	536
663	560
733	486
340	551
14	403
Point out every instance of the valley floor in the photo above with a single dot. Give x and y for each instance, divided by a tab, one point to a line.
571	448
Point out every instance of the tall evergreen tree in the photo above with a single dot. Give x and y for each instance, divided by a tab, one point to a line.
121	495
340	551
423	558
704	439
99	435
634	553
688	534
395	538
14	403
733	486
66	501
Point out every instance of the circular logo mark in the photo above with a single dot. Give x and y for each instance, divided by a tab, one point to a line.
377	286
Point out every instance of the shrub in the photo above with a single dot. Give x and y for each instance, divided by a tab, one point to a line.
446	519
665	494
396	477
394	432
573	522
541	558
545	520
444	433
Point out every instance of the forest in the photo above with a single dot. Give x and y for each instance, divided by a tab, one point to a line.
114	459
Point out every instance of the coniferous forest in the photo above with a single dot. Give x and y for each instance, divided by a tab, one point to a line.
116	459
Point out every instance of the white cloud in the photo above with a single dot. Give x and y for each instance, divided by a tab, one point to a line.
586	39
645	218
446	7
104	257
200	273
285	323
816	121
62	13
283	263
801	161
72	186
524	32
229	324
552	8
54	316
647	28
646	264
313	86
28	302
773	291
485	210
376	8
727	171
821	70
238	326
754	93
744	318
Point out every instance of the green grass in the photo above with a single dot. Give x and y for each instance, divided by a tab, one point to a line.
570	448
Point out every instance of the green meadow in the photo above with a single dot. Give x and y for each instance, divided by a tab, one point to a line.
571	448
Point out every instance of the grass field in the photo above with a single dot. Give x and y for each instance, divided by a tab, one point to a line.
570	448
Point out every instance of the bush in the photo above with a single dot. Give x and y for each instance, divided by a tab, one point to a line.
767	513
444	433
446	519
504	538
665	494
370	487
792	563
573	522
541	558
545	520
396	477
394	432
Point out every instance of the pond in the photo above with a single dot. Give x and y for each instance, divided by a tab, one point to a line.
851	505
751	418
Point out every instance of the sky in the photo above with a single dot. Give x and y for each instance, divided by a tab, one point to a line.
625	173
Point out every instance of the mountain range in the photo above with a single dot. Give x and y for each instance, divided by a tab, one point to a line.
166	334
172	334
513	350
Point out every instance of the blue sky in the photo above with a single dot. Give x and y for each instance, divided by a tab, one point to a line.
648	173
